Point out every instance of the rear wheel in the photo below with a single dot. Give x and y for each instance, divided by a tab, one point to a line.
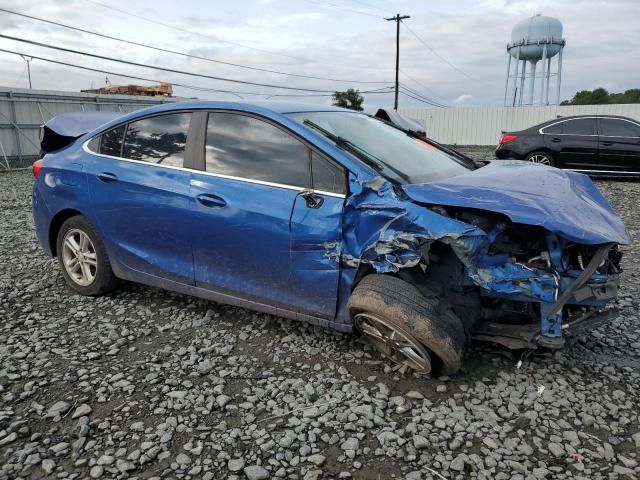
540	157
83	258
406	326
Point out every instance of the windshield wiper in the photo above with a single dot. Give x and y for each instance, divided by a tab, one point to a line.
359	152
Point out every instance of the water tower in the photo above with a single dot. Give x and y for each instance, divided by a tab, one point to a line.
536	39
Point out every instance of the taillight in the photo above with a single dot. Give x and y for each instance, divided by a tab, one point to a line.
37	166
507	138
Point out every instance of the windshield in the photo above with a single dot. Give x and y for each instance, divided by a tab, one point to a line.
393	153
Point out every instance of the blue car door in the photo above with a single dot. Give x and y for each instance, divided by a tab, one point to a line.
140	195
261	233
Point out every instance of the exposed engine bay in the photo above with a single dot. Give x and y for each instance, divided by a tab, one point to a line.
558	265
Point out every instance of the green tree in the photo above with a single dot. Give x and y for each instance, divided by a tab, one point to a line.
601	96
350	99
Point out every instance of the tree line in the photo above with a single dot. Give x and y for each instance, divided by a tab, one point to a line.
601	96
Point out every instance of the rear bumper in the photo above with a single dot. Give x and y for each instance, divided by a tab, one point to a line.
41	219
507	154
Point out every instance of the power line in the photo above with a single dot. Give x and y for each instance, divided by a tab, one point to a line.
133	77
191	32
422	85
170	70
155	80
369	5
418	96
419	99
187	55
343	8
432	50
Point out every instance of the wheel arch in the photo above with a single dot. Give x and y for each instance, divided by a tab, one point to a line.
54	227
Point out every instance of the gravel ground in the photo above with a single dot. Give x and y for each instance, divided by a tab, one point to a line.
144	383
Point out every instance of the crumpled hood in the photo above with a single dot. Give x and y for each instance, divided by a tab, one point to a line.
563	202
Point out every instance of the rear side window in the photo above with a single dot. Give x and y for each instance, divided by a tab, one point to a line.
327	176
161	139
553	129
619	128
579	126
247	147
111	142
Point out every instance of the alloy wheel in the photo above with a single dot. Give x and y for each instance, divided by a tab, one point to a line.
79	257
394	343
539	158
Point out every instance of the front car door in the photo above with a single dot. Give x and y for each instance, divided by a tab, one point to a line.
140	196
619	145
261	232
574	142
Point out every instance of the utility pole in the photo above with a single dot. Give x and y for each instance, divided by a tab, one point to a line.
28	60
397	19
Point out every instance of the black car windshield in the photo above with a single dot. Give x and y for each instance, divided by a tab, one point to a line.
393	153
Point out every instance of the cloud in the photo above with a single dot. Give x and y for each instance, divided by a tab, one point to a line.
303	38
462	98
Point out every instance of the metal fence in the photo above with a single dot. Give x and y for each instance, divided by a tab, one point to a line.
22	111
482	125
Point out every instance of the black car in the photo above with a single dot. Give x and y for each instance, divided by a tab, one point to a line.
597	144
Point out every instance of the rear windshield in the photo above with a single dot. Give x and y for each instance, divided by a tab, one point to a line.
402	158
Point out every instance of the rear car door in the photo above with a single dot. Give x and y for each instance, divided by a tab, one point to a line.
261	232
619	145
574	142
138	180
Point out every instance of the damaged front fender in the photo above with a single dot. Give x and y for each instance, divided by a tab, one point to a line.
388	232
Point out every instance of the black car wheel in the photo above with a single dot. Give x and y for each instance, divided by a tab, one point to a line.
83	258
406	326
540	157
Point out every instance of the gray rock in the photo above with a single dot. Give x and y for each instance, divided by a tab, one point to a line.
420	442
287	439
557	450
124	465
106	460
351	443
457	464
48	466
256	472
82	411
58	409
316	459
96	471
627	462
235	464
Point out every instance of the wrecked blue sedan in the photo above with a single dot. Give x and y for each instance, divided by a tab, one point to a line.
328	216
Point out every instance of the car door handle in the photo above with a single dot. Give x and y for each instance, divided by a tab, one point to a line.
556	140
313	199
607	144
213	201
107	177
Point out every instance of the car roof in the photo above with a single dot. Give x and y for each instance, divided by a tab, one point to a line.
276	106
571	117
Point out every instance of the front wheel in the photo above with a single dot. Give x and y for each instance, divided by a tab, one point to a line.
407	327
83	258
541	157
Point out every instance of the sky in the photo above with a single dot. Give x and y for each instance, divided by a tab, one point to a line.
456	58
